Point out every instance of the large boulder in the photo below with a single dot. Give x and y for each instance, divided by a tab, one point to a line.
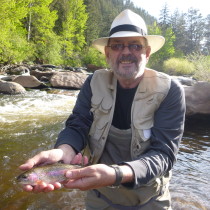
68	80
29	82
92	68
39	74
185	80
18	70
11	88
197	98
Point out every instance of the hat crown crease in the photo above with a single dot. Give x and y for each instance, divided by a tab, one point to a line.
127	17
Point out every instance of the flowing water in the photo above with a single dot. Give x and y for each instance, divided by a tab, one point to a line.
30	123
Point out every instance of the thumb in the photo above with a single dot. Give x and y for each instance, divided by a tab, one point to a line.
28	164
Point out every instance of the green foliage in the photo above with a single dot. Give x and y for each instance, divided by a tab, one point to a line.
195	65
202	66
61	31
28	31
13	45
92	56
206	49
157	59
178	66
41	35
72	36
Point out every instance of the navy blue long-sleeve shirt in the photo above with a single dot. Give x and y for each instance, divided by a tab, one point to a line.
166	132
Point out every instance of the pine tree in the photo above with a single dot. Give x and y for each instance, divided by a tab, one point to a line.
206	48
194	30
178	23
164	20
73	31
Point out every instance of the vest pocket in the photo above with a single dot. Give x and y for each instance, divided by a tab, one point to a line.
141	137
101	107
143	128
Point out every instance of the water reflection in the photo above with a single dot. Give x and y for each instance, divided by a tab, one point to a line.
190	184
30	123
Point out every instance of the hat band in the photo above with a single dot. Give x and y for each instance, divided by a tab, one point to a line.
127	27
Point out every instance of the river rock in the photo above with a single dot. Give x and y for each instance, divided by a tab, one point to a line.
185	80
29	81
68	80
39	74
19	70
197	98
11	88
92	68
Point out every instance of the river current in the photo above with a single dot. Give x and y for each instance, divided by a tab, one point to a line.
30	123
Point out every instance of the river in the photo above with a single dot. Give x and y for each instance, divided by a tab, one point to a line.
30	123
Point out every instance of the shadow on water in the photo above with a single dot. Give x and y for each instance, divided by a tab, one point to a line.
30	123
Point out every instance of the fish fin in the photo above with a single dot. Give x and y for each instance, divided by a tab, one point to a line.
39	182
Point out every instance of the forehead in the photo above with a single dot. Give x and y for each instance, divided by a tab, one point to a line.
127	40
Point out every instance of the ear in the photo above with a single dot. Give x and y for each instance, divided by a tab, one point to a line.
148	51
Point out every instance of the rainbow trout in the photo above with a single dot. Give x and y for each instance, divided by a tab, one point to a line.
48	173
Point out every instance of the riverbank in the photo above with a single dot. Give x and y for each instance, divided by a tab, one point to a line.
17	79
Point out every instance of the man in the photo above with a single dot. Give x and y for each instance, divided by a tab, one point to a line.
129	120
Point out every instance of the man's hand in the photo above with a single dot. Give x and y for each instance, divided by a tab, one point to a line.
96	176
63	153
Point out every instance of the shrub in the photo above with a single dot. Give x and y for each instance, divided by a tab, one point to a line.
202	66
178	66
92	56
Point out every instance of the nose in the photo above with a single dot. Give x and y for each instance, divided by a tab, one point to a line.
126	50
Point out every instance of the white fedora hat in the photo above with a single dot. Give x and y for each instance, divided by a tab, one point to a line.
129	24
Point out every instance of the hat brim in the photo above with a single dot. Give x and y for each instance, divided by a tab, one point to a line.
154	41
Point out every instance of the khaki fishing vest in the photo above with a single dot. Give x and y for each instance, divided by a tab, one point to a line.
151	91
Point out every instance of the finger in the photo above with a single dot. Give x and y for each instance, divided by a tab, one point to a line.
73	184
85	160
74	174
42	187
28	164
28	188
36	160
77	159
48	188
57	185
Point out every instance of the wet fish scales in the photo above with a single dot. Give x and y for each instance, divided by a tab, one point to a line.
48	173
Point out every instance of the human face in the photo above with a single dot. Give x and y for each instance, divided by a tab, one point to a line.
127	63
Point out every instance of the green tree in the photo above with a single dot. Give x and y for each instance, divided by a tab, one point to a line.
164	20
13	45
178	23
195	31
73	33
206	49
93	22
167	51
41	22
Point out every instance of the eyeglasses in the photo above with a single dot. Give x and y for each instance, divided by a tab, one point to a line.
121	47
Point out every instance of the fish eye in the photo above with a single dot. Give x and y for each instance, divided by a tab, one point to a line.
24	176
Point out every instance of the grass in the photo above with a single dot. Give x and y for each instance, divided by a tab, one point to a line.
194	65
178	67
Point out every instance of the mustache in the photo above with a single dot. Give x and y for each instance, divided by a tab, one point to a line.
130	58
